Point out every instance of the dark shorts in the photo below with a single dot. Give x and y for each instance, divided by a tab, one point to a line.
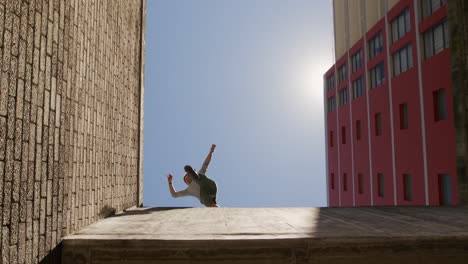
208	191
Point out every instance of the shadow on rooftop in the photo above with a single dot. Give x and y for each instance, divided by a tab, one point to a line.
146	210
386	235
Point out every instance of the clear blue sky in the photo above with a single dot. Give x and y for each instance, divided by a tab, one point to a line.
247	76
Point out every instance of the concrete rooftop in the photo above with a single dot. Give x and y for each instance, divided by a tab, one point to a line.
275	235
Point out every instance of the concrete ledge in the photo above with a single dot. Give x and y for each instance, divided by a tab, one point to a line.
275	235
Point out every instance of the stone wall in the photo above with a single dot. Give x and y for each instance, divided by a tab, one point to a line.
70	127
458	22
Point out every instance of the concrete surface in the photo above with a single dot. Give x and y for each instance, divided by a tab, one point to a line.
70	76
275	235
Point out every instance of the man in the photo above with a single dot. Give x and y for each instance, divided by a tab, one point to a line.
199	186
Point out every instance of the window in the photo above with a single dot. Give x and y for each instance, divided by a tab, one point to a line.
356	61
358	130
407	187
446	34
375	45
330	82
403	116
343	135
445	190
345	182
380	185
436	39
401	25
430	6
331	138
332	181
402	60
378	124
377	75
342	73
360	183
343	96
357	88
331	104
440	107
428	39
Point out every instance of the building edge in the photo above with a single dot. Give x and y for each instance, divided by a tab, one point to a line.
142	93
327	170
458	21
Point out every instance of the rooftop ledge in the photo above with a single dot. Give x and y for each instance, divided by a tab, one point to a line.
274	235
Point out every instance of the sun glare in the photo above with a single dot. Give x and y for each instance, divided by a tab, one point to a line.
309	76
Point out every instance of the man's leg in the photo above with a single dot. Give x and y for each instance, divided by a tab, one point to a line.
207	161
214	204
208	191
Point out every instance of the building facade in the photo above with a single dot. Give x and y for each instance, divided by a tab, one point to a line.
70	119
389	108
458	21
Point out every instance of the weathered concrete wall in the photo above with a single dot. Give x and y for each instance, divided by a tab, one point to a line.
70	80
458	23
274	235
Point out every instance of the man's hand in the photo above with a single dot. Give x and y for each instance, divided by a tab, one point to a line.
212	148
169	178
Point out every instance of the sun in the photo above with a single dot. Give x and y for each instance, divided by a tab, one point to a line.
310	79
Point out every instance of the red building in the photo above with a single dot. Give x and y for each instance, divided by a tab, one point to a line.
389	111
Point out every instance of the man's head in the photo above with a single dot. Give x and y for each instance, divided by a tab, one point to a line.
187	179
188	171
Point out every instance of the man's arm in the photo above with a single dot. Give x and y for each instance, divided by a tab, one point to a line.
173	191
207	160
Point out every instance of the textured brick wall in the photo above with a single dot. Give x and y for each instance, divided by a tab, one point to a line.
69	118
458	23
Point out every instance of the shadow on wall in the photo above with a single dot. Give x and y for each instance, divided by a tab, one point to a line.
107	211
54	256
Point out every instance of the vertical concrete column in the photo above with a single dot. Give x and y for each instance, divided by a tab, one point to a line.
366	73
338	36
390	98
327	170
458	23
421	96
349	37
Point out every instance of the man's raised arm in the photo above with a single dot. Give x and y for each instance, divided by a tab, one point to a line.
207	160
173	191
